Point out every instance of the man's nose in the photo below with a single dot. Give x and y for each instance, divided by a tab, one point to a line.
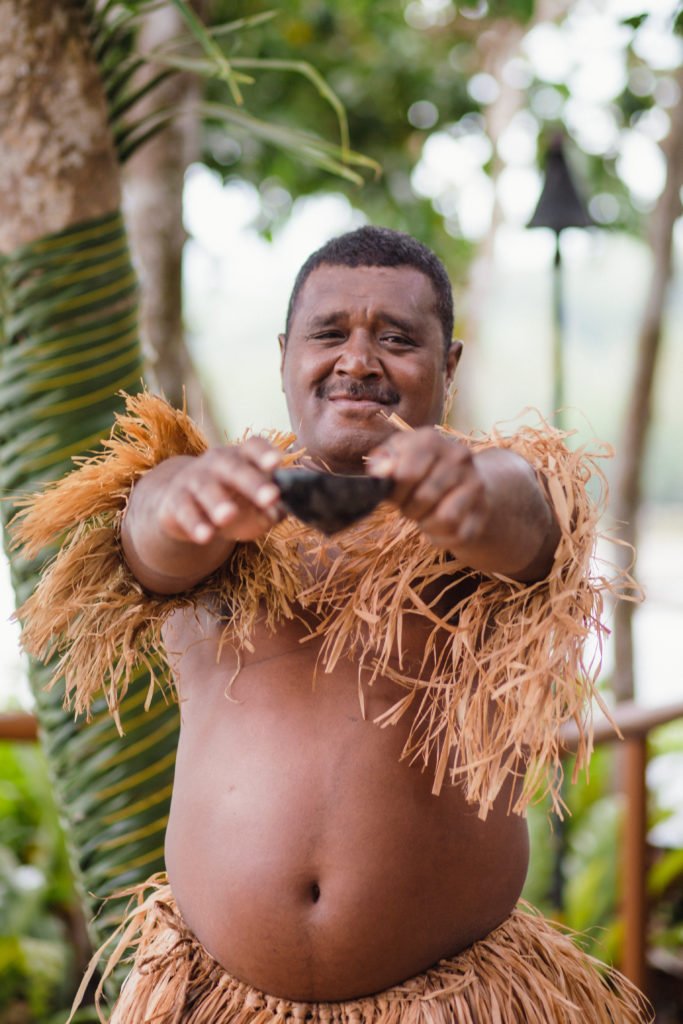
358	356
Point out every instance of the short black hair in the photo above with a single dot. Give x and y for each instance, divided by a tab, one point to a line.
372	246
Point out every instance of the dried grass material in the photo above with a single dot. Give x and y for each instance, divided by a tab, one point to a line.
88	608
502	668
526	971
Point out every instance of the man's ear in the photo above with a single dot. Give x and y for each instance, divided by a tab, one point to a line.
452	360
282	341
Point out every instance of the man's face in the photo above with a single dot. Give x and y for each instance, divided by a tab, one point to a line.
364	342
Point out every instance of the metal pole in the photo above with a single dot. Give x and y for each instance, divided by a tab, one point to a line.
559	324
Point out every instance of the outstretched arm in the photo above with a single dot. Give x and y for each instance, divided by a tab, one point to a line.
185	516
487	508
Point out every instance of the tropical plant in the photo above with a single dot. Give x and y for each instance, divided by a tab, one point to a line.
665	878
36	956
575	878
70	345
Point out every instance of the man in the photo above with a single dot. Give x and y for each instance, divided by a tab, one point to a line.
320	865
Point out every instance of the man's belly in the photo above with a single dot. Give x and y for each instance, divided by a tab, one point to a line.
305	857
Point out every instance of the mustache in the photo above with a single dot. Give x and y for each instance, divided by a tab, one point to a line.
364	391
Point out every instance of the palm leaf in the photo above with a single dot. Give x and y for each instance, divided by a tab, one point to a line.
70	344
114	29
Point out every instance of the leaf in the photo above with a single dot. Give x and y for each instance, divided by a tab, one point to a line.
70	344
116	27
635	21
308	147
667	869
223	68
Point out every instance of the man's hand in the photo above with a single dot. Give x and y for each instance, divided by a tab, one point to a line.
487	508
436	482
185	516
227	491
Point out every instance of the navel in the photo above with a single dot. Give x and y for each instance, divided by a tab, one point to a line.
315	892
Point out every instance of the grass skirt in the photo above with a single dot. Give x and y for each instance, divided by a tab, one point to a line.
527	971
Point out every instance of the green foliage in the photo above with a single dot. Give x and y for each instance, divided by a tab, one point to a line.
36	890
379	67
70	344
665	878
668	739
385	60
591	869
636	21
114	27
580	857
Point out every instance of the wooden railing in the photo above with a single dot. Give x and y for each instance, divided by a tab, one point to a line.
634	724
18	725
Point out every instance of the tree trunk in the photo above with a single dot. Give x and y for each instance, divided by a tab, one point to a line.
153	194
57	160
629	471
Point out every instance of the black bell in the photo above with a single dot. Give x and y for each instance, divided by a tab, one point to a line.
559	205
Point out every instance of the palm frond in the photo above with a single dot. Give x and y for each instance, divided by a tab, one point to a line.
114	42
224	69
68	327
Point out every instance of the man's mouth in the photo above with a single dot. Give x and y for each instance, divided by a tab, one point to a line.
359	393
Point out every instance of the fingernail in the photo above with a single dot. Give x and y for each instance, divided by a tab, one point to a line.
266	494
269	460
381	465
202	533
224	511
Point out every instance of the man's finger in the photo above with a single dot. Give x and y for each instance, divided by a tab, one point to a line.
218	504
444	479
460	516
185	520
262	453
238	477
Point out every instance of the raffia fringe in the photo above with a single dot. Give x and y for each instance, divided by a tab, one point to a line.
501	671
526	971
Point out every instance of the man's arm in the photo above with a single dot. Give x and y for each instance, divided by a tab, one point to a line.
487	508
185	516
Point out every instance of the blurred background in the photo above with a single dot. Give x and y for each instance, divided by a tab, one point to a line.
537	147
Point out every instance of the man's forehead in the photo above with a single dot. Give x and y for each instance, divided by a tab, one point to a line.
335	289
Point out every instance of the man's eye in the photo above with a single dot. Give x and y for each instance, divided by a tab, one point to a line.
329	336
398	340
